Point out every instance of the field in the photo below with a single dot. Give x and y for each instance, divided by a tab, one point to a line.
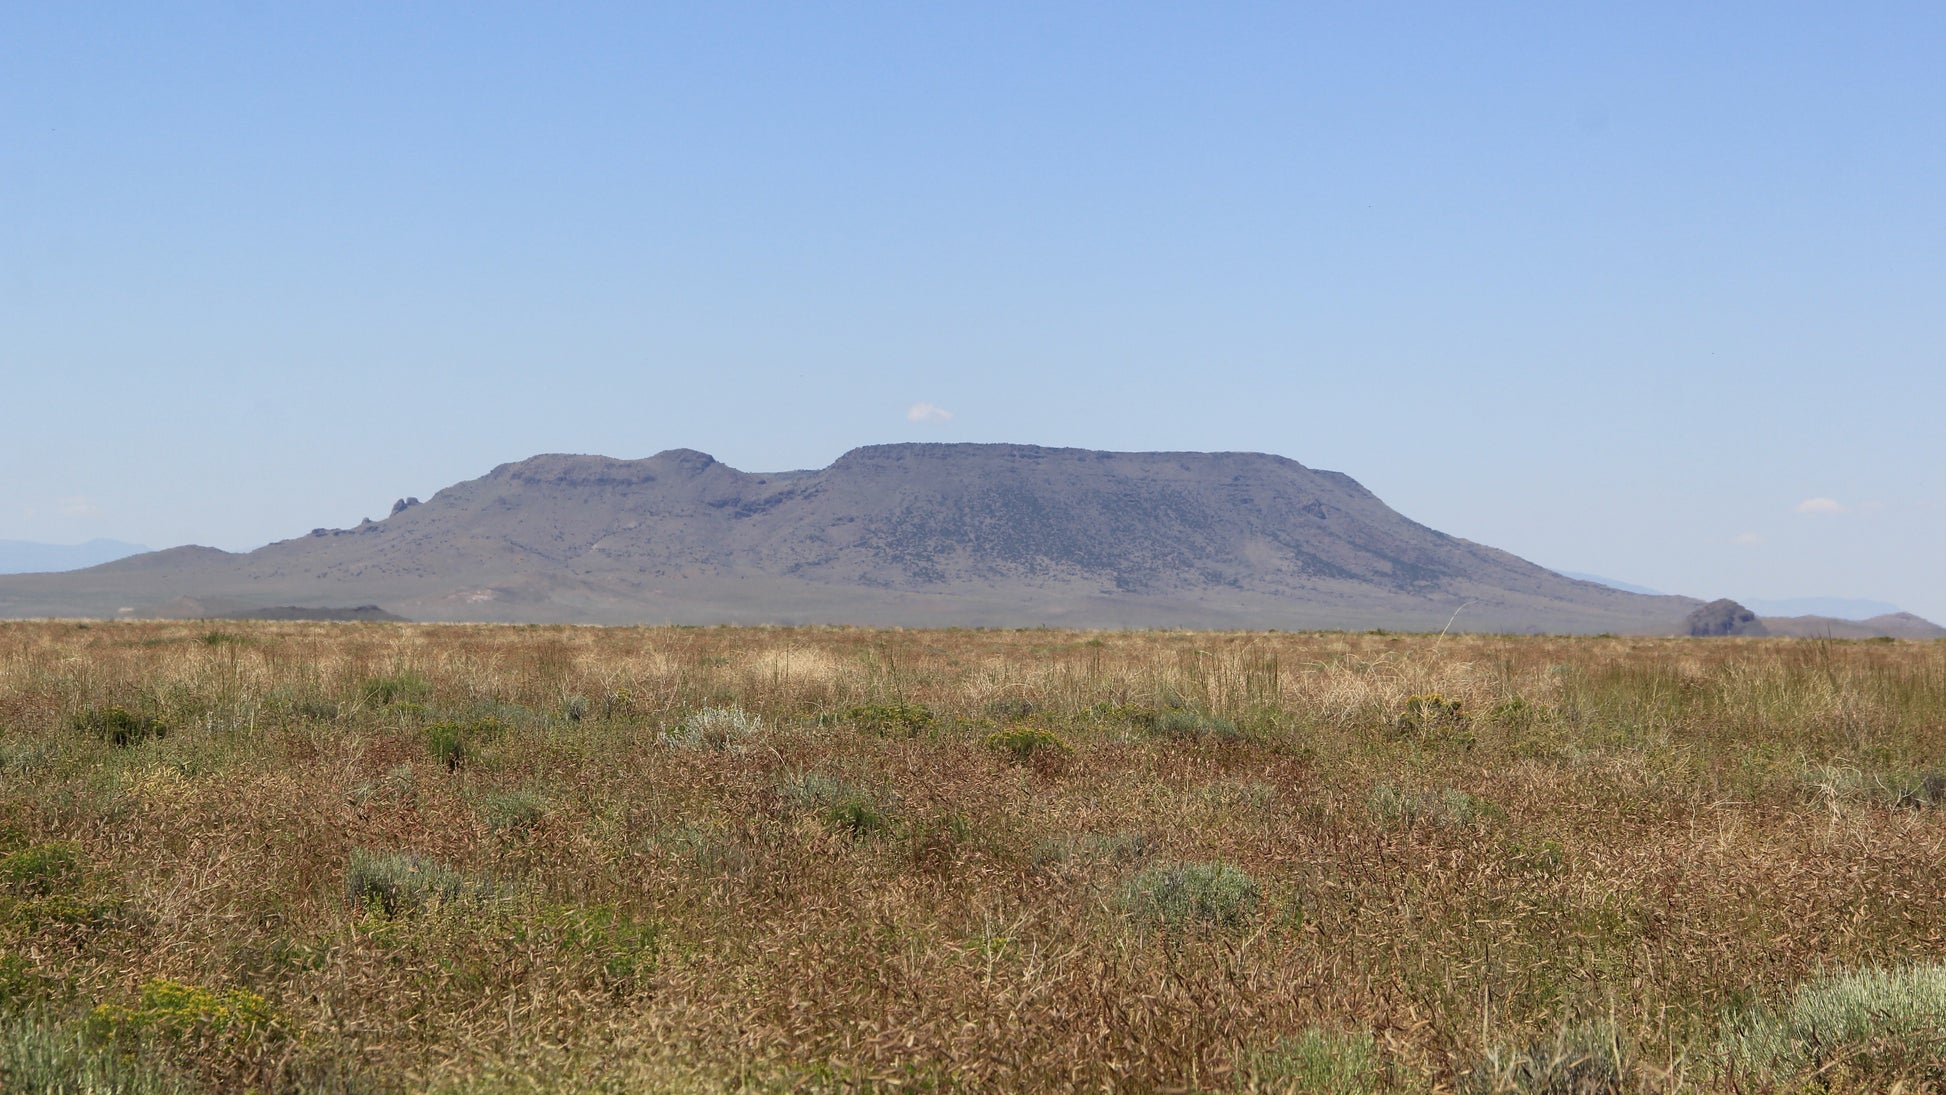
376	858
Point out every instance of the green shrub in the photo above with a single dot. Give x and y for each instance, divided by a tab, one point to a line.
722	729
40	870
1324	1062
1183	895
1871	1025
890	720
119	726
1029	744
396	884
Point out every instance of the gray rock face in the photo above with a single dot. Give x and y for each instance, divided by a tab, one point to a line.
1724	617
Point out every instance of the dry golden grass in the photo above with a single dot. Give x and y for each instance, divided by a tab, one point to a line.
1643	839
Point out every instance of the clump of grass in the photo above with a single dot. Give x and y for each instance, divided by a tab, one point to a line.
1316	1062
1010	708
398	884
1178	724
1843	783
40	1054
1029	745
707	848
891	720
1447	807
627	947
119	726
404	686
1872	1026
224	638
399	786
933	844
720	729
1578	1060
1187	895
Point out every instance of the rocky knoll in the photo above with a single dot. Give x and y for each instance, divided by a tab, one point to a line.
994	535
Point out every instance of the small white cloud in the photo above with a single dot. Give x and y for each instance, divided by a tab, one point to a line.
1747	539
1820	505
78	506
926	412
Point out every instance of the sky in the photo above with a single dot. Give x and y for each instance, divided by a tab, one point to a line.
1654	291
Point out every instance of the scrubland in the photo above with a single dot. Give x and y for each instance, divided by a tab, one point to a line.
377	858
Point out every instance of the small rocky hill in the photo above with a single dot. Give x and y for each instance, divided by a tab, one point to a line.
993	535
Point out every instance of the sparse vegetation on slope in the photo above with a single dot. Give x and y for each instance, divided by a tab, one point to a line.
390	858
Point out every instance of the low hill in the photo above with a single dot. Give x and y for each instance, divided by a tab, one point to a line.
1894	625
984	535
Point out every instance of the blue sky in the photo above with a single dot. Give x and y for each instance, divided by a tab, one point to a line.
1652	291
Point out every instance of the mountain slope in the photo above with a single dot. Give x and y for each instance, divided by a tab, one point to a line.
1007	535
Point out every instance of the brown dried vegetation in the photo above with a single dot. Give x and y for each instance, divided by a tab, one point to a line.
681	859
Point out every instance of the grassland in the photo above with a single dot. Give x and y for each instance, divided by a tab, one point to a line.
376	858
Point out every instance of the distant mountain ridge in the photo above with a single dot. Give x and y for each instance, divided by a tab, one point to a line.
913	534
29	557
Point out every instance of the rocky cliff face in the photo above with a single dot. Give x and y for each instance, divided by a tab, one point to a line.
906	534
